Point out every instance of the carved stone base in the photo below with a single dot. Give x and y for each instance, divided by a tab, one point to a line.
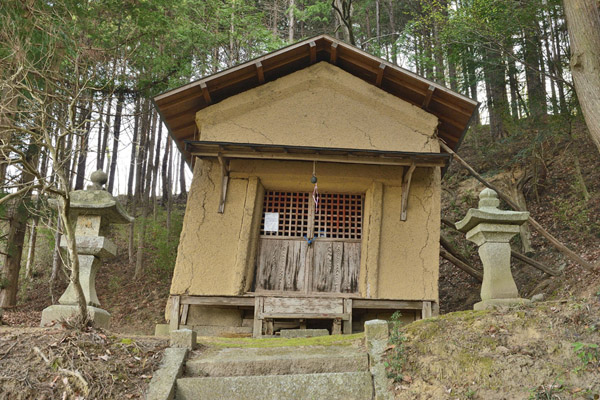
493	303
57	312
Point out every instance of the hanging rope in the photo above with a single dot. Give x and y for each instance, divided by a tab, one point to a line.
315	194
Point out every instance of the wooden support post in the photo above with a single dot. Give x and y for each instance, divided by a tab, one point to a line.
426	311
260	72
428	97
406	191
224	182
205	93
175	303
258	322
379	78
347	323
313	52
269	326
435	309
333	53
184	314
337	327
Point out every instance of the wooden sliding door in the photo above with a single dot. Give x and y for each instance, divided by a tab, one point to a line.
308	249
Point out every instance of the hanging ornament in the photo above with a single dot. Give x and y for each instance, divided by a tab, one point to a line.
313	179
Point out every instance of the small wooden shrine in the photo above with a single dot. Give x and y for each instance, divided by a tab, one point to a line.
315	200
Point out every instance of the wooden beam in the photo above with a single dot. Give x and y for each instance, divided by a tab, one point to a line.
379	78
406	190
426	311
313	52
258	322
224	182
464	266
343	159
234	301
347	324
304	316
333	53
260	72
205	93
428	97
174	322
375	304
184	314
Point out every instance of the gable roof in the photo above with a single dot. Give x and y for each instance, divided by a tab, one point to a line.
178	107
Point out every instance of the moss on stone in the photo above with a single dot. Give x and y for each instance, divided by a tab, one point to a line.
332	340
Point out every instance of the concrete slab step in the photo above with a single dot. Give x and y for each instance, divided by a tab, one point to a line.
278	361
330	386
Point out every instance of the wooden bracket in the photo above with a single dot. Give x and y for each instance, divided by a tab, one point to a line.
260	72
428	96
224	182
379	78
406	190
313	52
333	53
205	93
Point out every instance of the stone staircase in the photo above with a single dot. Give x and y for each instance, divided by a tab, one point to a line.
278	373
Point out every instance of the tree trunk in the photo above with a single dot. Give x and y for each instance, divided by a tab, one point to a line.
83	146
134	148
495	79
583	21
164	168
139	262
153	195
182	188
103	149
115	147
100	125
535	90
16	238
31	248
291	21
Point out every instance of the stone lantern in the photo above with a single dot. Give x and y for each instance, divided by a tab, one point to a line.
491	229
92	210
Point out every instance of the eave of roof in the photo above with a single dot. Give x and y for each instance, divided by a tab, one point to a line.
178	107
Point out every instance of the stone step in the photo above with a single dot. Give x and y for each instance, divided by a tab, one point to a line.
278	361
330	386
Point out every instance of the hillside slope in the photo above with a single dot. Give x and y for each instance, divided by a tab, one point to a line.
545	351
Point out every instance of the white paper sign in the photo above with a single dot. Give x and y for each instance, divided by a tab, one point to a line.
271	222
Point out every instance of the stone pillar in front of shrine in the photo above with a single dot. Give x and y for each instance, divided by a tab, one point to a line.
93	210
491	229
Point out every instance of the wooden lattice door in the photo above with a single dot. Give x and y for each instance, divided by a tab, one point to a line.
308	248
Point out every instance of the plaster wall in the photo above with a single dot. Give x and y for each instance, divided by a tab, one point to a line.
399	259
321	106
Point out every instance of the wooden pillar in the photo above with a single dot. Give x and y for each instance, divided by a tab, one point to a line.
175	304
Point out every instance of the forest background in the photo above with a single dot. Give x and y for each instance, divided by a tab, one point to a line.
77	79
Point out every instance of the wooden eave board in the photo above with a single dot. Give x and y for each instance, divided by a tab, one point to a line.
178	107
307	153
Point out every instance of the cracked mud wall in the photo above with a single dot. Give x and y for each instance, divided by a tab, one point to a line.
208	244
321	106
399	260
409	250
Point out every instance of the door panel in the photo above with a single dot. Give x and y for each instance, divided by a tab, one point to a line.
281	265
303	248
336	267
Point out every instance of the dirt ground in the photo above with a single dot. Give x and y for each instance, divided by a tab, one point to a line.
58	363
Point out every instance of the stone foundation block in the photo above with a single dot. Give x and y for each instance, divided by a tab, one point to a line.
58	312
184	338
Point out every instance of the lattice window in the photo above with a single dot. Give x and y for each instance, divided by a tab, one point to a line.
290	209
339	216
